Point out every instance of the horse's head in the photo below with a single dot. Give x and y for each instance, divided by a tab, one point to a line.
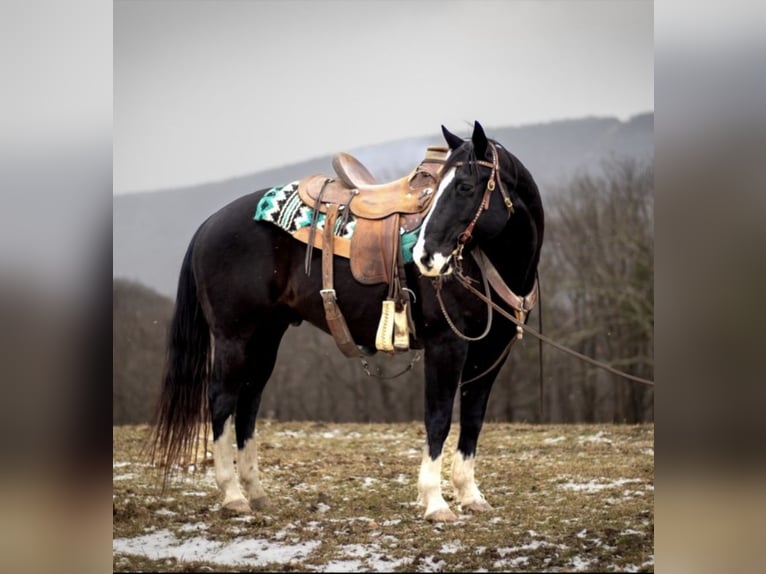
471	200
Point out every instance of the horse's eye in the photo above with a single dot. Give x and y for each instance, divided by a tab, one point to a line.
464	188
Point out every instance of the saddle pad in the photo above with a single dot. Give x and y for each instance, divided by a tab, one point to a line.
283	207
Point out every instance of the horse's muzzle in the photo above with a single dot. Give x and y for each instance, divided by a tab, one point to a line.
434	265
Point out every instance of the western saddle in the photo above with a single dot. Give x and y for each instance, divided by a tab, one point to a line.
382	212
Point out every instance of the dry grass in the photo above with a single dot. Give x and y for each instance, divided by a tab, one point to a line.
565	498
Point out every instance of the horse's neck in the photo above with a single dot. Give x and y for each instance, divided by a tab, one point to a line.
514	252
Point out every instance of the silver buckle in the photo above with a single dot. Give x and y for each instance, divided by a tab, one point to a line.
330	292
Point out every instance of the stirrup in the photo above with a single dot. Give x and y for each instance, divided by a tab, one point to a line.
384	336
402	329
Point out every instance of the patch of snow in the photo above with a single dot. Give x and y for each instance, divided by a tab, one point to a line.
554	440
599	437
291	433
193	493
429	565
165	512
391	522
496	520
402	479
368	482
355	550
595	486
630	531
194	527
242	552
361	558
534	545
451	547
322	507
127	476
120	464
578	564
648	451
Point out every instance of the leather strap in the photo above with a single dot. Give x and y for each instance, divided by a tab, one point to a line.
522	304
313	228
335	320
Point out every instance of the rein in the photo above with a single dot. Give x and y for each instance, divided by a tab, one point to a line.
465	282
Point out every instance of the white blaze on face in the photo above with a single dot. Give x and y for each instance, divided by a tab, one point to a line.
223	459
438	260
466	490
429	484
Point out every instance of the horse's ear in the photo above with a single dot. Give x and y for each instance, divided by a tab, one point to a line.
479	139
452	140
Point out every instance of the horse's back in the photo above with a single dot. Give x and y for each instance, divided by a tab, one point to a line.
235	260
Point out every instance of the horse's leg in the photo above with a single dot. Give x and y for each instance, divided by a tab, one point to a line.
262	355
444	360
473	406
228	368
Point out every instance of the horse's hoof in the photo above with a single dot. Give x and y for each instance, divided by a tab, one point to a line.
477	507
260	503
239	506
441	515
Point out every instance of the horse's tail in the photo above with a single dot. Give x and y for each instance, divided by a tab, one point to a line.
182	408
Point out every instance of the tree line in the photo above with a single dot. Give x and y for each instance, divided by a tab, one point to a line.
596	277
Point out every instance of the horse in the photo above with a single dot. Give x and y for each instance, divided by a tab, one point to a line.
242	283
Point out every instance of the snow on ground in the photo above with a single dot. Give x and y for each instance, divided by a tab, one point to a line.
597	485
554	440
284	547
599	437
241	552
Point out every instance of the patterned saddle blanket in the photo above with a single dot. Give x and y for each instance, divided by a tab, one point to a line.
283	207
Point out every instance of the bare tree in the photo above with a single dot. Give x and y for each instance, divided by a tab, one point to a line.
602	261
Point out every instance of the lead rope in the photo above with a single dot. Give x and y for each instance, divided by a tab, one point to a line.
465	282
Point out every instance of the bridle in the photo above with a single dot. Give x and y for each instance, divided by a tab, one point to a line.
521	305
490	276
493	181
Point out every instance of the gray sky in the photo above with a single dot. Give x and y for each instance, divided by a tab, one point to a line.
206	90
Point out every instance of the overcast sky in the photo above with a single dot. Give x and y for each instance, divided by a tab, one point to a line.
207	90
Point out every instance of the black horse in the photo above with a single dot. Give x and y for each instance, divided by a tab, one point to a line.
242	284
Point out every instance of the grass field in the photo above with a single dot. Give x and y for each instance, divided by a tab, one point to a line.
565	498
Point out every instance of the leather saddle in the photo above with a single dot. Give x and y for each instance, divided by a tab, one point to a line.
382	211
